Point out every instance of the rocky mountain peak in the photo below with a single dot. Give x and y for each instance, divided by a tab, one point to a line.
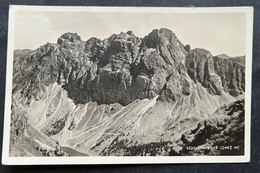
72	43
167	44
200	53
130	33
158	37
126	37
70	37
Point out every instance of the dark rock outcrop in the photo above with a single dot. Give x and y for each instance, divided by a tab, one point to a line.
215	73
200	67
187	47
232	75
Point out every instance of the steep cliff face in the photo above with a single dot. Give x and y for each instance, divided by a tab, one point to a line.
87	94
200	67
232	75
217	74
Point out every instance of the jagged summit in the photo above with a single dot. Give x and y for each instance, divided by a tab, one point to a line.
166	43
72	37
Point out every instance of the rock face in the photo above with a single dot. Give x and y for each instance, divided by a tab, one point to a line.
232	75
216	73
200	67
166	43
152	85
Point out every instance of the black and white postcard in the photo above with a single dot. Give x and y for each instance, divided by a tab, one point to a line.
113	85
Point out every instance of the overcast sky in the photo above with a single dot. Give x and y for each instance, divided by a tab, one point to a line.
217	32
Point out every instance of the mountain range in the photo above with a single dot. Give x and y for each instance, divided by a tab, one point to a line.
126	95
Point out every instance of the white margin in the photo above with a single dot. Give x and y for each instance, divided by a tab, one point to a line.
6	160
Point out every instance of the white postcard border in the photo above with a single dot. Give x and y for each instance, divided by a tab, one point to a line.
6	160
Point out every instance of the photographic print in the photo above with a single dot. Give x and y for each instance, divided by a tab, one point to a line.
101	85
